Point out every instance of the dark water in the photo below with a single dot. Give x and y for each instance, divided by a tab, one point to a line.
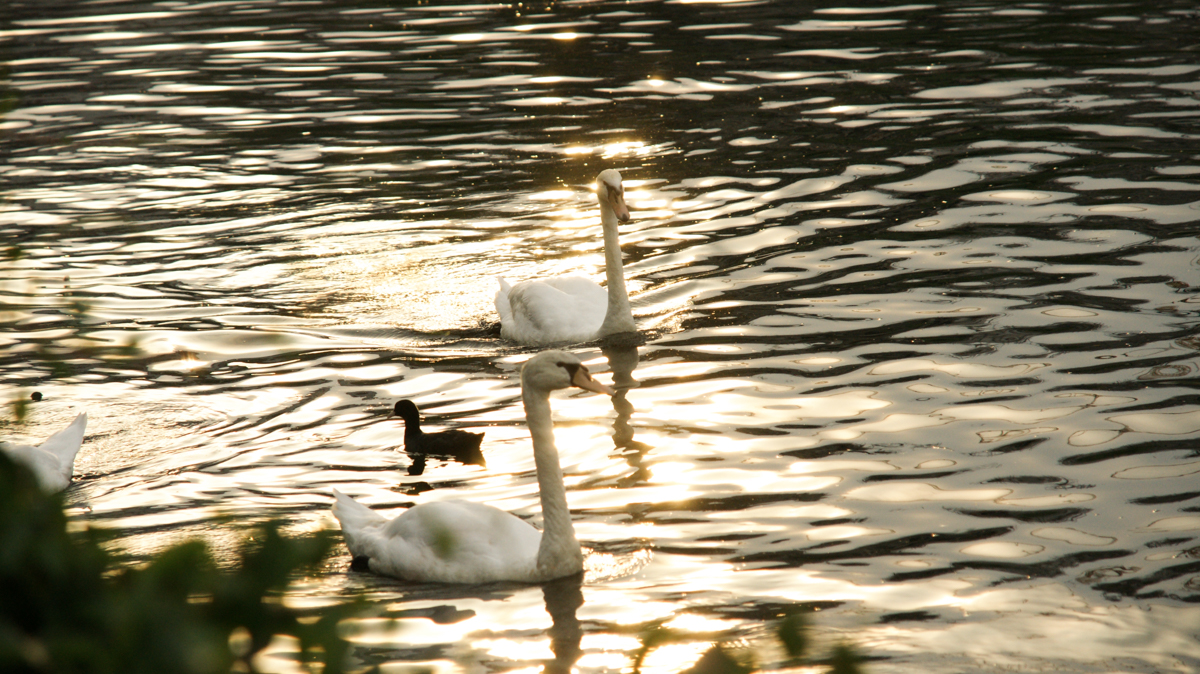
918	285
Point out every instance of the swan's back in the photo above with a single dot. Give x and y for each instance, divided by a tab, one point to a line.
442	541
551	311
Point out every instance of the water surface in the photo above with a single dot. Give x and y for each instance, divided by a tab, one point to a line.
916	283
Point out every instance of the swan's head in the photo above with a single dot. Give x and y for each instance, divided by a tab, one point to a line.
551	370
611	193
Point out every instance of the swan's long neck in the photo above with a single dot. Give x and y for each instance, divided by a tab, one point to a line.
559	553
618	317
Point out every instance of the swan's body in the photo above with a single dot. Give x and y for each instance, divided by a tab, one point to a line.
463	542
571	308
453	444
53	461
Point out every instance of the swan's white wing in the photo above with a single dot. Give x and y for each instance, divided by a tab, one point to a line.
443	541
462	542
53	461
551	311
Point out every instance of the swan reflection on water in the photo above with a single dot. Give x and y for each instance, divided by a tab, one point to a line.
431	611
622	354
564	597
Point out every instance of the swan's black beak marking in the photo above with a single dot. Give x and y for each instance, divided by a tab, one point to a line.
580	377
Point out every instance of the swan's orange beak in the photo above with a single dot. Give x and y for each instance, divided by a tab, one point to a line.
584	380
616	199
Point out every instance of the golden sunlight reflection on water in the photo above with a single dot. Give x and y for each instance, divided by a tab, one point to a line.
939	392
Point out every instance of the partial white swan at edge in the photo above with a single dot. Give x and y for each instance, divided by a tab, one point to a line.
572	309
53	461
463	542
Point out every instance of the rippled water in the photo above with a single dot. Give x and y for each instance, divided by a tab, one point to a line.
918	287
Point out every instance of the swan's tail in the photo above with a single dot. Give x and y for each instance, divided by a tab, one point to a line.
64	445
503	306
353	515
355	519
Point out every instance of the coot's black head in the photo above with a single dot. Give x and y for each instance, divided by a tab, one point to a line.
407	410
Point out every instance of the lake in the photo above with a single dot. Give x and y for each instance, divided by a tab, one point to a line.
917	287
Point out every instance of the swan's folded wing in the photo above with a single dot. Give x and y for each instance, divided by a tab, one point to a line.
453	542
565	309
578	288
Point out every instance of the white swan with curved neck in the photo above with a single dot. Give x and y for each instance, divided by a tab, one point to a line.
570	308
464	542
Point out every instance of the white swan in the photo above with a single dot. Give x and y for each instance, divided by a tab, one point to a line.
463	542
571	308
53	461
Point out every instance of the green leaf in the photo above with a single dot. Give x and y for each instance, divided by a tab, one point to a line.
68	605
